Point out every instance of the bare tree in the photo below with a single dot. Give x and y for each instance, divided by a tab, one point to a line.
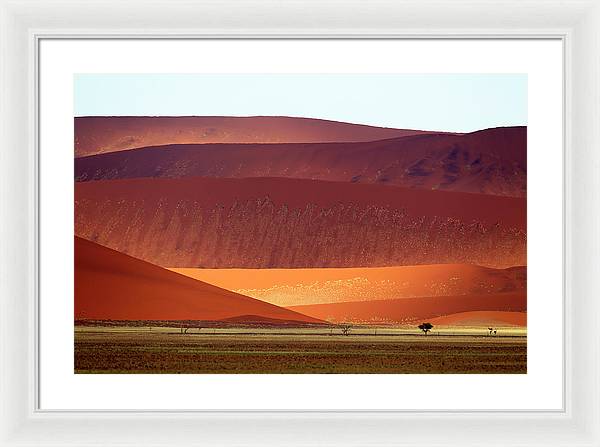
346	329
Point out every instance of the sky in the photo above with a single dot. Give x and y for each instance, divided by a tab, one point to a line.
444	102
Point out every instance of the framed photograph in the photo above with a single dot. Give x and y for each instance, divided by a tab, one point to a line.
262	223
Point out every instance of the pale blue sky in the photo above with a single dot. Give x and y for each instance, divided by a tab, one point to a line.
450	102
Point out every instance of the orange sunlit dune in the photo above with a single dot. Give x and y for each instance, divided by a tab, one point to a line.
292	287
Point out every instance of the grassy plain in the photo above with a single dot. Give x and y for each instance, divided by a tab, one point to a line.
298	350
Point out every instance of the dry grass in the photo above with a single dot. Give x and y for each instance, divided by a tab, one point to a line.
306	351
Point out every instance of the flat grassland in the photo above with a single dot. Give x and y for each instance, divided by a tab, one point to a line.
166	350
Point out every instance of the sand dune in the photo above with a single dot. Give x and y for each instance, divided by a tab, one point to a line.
411	309
100	134
292	287
482	319
491	161
113	286
291	223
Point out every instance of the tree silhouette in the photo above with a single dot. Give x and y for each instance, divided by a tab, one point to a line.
346	329
426	327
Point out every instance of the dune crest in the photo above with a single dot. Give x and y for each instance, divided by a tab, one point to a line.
113	286
491	161
99	134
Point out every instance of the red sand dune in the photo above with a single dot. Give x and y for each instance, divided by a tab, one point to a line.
410	309
291	223
113	286
294	287
100	134
491	161
482	319
260	321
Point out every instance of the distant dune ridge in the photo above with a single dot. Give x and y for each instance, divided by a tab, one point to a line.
482	319
491	161
407	310
290	223
99	134
292	287
113	286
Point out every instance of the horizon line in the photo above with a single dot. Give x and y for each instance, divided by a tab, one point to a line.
305	118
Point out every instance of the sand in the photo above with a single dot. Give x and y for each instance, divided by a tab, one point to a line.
115	133
113	286
294	223
492	161
482	319
292	287
400	311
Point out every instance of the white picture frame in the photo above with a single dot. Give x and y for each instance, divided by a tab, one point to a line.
24	23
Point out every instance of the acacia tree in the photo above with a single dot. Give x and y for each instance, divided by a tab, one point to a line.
426	327
346	329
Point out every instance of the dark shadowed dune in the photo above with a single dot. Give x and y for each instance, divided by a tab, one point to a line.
94	135
491	161
290	223
113	286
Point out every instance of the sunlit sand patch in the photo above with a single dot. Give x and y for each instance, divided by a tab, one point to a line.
292	287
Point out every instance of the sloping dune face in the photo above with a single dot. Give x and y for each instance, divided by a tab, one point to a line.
483	319
408	310
492	161
290	223
94	135
113	286
292	287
